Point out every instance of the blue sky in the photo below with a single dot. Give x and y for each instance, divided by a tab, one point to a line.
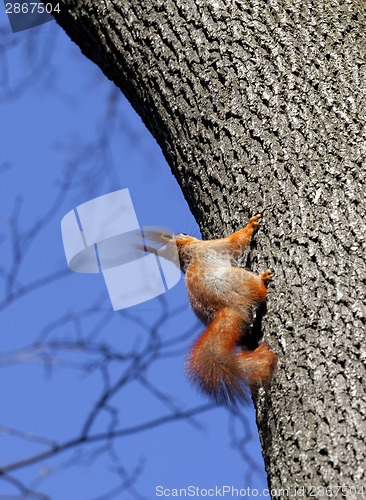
67	136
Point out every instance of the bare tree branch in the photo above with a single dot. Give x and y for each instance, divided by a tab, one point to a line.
92	438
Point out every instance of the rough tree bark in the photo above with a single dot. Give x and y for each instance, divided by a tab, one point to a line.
259	105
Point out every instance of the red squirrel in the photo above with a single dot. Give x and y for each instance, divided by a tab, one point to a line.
223	297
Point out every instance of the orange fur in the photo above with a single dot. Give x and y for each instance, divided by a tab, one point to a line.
223	297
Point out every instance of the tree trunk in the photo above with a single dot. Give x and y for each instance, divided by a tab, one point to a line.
259	106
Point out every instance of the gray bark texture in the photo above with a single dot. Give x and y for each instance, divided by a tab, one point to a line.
260	106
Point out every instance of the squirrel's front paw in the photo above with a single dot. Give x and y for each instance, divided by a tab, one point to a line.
267	275
255	220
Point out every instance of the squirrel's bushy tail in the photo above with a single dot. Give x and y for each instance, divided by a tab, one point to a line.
221	372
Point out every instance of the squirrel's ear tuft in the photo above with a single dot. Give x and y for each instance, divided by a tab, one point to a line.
184	239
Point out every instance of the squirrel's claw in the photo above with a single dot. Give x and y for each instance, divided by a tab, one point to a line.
255	220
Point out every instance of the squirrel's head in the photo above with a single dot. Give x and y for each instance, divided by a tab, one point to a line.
184	239
187	246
